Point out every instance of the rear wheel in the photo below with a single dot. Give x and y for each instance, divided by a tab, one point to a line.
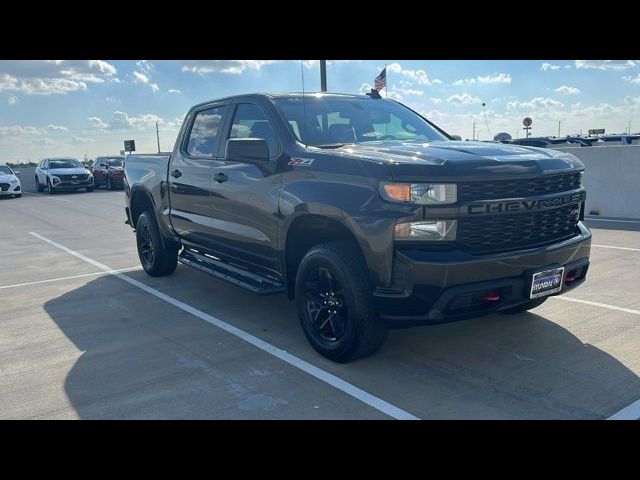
525	306
334	303
157	258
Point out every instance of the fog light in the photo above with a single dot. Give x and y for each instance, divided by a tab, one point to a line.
426	230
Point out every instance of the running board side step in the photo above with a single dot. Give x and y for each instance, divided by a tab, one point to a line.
230	273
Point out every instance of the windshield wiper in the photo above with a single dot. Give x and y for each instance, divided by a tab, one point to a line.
331	145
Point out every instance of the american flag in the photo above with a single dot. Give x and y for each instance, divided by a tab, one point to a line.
381	80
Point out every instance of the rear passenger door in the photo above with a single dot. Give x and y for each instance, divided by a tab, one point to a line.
190	175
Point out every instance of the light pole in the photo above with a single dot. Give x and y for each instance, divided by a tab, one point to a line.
323	75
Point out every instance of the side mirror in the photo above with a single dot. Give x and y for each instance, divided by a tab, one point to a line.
16	173
458	138
249	150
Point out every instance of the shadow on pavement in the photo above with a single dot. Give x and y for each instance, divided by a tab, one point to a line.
143	358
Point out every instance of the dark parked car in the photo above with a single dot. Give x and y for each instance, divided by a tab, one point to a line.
108	171
361	210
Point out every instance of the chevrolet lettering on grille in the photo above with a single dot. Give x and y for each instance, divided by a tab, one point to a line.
514	206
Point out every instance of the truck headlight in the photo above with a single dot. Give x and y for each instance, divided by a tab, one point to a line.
14	181
421	193
426	230
55	179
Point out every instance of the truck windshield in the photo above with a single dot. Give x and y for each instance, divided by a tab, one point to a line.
335	121
4	170
64	163
114	162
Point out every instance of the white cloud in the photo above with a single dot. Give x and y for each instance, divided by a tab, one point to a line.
174	90
52	77
224	66
140	77
58	128
20	130
537	103
12	100
463	99
414	76
123	121
145	65
408	91
605	64
549	66
435	100
565	90
97	122
630	79
495	78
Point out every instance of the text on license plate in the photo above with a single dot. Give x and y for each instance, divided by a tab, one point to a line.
546	282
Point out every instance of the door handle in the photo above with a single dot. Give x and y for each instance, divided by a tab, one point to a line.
176	174
220	177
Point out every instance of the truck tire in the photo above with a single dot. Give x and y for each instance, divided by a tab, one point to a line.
335	305
157	258
39	187
50	187
525	306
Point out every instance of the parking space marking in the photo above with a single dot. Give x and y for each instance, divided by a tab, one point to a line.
632	412
48	195
596	304
121	270
617	248
322	375
613	221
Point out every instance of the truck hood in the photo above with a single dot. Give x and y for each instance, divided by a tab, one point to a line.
462	160
68	171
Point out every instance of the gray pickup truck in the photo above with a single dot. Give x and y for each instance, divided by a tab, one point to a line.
360	209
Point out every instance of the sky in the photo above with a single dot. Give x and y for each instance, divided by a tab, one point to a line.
88	107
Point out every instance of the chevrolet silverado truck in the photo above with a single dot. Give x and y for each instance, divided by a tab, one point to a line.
361	210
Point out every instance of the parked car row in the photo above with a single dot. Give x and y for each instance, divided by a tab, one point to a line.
65	174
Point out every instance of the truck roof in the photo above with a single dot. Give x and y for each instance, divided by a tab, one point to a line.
270	95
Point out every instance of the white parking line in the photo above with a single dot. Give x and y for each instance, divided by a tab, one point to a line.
610	220
596	304
617	248
47	195
632	412
68	278
336	382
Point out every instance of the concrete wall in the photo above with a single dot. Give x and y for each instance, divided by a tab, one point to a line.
612	179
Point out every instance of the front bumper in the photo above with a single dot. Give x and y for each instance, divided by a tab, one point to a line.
434	287
10	189
71	185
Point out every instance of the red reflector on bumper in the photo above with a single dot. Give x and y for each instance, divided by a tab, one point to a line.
491	297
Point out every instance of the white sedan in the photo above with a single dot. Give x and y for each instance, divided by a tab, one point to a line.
9	182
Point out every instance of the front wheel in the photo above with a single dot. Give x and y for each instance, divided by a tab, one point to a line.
525	306
157	258
50	187
38	186
335	305
109	185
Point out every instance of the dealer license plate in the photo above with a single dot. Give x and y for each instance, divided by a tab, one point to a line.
546	282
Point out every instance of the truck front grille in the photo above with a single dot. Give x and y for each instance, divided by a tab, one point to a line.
4	187
530	187
521	230
68	178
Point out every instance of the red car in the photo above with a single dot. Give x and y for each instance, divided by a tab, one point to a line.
108	171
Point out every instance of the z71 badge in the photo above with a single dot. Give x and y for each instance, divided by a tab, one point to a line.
301	162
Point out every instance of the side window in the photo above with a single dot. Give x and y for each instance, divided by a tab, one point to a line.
250	122
203	138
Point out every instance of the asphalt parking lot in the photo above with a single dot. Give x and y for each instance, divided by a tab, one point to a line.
79	340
